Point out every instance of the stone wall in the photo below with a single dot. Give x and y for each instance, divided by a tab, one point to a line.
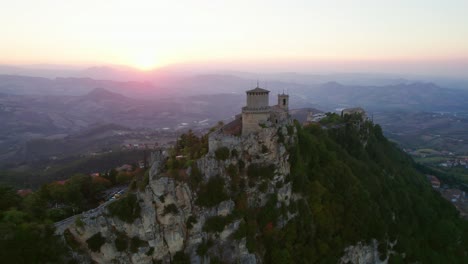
251	121
257	100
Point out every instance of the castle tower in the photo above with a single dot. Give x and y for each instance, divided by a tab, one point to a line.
257	110
257	99
283	101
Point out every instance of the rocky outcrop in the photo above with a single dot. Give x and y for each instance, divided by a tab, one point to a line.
364	254
171	222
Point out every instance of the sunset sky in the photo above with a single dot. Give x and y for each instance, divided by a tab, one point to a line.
151	34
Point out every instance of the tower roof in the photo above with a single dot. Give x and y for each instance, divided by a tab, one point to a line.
258	90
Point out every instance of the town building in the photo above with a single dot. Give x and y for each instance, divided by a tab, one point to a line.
435	182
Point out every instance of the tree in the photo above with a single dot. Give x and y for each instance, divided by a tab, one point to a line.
8	198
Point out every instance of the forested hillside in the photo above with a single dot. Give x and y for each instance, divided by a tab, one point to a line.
358	186
350	185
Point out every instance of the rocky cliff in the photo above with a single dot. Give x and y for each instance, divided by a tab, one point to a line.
177	218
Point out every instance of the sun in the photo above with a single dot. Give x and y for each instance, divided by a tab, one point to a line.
145	62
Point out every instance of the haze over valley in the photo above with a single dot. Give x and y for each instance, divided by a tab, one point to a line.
247	132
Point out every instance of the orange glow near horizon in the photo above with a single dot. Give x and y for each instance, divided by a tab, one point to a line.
148	34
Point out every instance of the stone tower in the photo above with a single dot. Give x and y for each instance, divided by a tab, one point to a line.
257	110
283	101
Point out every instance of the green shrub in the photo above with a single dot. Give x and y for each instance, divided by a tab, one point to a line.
71	240
79	222
279	184
145	181
133	185
234	153
136	243
190	222
231	170
123	177
261	171
263	187
203	248
250	244
196	177
241	232
233	173
212	193
222	153
280	136
216	223
150	251
241	164
180	258
292	208
95	242
170	209
121	241
126	209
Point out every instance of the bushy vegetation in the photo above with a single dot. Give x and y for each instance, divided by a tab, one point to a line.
95	242
356	193
188	148
71	241
25	238
180	258
191	220
126	209
170	209
203	248
77	194
212	193
234	153
217	223
26	222
353	192
150	251
222	153
136	243
260	171
121	241
233	172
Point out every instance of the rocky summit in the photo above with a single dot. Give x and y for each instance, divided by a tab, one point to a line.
173	217
336	191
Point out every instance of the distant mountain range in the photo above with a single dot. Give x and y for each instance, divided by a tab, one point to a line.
330	95
411	97
34	107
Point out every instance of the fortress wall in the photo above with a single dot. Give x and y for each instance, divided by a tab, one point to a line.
250	121
217	140
280	116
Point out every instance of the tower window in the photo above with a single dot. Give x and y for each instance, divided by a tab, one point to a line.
284	101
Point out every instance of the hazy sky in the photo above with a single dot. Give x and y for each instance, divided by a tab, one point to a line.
155	33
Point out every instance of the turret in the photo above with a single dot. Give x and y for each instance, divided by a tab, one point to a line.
257	99
283	101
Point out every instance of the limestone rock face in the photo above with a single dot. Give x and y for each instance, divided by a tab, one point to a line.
168	204
363	254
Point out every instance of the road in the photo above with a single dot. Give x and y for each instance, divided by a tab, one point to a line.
65	223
